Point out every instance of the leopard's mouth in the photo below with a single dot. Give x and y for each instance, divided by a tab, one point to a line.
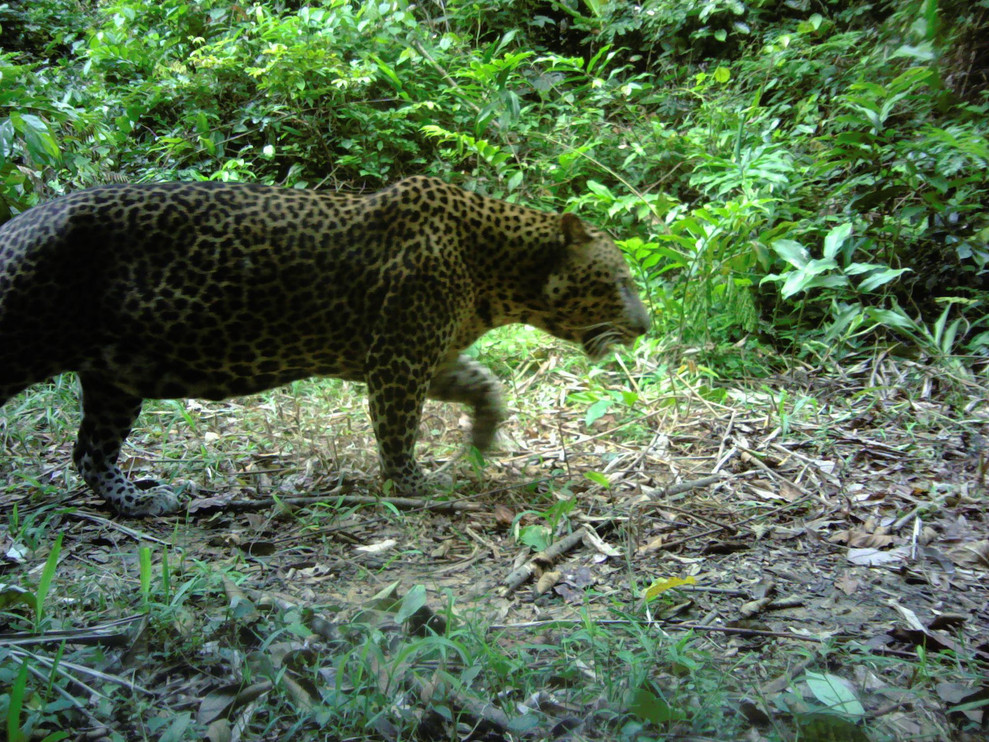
598	341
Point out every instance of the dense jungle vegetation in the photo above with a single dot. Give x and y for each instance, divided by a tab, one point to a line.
809	176
766	520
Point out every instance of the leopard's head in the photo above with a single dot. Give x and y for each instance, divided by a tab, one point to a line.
589	292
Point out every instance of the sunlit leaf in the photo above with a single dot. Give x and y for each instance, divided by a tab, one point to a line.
598	478
661	586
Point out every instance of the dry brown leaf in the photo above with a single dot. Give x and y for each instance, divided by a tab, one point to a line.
959	694
848	584
303	697
594	541
876	558
503	515
546	581
973	555
223	701
860	539
219	731
654	544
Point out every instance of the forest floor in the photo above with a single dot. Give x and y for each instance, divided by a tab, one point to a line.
800	556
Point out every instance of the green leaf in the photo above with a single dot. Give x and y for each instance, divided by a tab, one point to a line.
600	189
598	478
389	74
835	693
722	74
799	281
176	730
891	318
836	238
38	141
880	278
413	600
14	733
792	252
648	707
47	575
11	595
596	411
536	537
144	570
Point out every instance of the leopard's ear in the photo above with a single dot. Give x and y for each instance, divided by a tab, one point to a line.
573	229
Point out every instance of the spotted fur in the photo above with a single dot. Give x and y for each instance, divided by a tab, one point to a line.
212	290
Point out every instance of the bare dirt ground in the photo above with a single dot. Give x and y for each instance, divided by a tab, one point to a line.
746	540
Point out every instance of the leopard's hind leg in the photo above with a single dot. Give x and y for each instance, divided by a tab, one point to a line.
108	415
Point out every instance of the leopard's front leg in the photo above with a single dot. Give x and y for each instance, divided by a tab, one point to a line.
409	342
396	393
467	381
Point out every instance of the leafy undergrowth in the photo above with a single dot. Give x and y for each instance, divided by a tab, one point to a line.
799	556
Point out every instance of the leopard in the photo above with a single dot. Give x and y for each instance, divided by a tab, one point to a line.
213	289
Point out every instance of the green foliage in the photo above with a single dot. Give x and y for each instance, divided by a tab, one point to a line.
28	144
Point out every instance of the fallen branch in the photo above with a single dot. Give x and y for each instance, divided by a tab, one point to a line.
402	503
541	561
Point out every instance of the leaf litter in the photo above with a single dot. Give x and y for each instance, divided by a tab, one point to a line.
816	540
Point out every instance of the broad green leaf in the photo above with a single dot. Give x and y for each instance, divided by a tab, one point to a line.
536	537
597	410
11	595
818	266
792	252
835	693
836	238
857	269
600	189
38	141
891	318
880	278
799	281
647	706
389	73
413	600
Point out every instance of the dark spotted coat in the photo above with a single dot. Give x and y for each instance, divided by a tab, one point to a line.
212	290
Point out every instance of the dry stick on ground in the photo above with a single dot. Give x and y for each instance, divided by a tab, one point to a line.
711	531
690	514
681	487
542	560
127	530
755	457
402	503
105	634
